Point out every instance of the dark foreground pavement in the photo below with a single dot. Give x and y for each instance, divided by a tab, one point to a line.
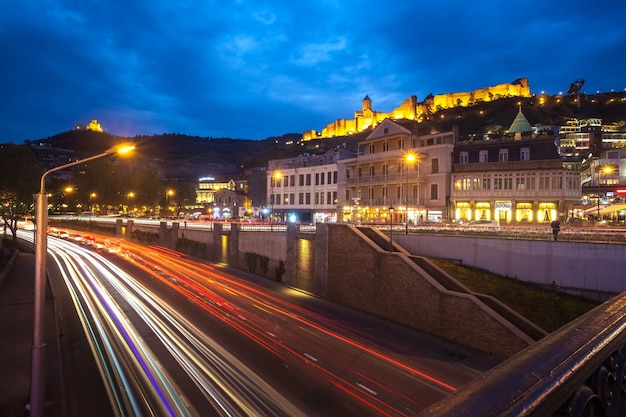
17	288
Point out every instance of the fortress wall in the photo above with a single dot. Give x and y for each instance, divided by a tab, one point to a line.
410	109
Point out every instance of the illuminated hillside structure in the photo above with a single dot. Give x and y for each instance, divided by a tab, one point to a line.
410	109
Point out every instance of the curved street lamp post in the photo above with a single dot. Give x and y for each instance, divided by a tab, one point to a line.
409	158
37	383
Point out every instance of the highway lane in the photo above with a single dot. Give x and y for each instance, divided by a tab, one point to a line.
153	361
322	358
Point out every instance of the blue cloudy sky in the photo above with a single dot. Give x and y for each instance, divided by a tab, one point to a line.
254	69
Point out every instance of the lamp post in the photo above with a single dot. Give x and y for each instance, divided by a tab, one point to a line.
409	158
38	383
276	176
607	170
128	197
390	228
91	197
168	194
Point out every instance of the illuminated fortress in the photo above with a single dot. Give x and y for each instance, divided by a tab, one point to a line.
412	110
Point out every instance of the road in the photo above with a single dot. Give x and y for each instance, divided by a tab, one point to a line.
175	336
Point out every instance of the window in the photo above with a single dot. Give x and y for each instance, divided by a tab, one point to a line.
385	146
503	155
557	181
463	158
486	182
524	154
497	182
483	155
372	148
317	198
372	171
292	180
398	192
292	198
308	179
322	178
317	179
329	177
434	191
334	197
307	198
360	172
434	164
508	182
286	181
385	169
334	177
301	198
520	183
301	177
328	196
321	198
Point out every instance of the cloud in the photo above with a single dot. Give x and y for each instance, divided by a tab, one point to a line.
250	69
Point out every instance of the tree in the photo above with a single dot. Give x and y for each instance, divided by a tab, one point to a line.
19	182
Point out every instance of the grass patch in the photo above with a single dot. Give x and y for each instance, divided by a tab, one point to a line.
548	309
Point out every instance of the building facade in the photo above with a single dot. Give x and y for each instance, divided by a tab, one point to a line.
304	188
397	176
513	181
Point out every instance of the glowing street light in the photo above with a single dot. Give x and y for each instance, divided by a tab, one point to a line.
409	159
606	170
276	176
38	383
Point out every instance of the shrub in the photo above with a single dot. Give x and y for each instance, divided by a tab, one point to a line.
251	260
280	270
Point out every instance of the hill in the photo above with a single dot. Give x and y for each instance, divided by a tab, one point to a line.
188	157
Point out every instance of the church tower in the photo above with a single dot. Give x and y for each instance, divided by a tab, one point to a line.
366	105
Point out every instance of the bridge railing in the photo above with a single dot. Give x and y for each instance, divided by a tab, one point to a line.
575	371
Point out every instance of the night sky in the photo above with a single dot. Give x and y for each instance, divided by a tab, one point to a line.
254	69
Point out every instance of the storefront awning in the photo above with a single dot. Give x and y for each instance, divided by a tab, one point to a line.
612	208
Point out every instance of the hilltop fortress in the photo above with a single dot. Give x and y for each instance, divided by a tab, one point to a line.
412	110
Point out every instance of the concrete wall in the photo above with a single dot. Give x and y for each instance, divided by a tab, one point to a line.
592	270
390	285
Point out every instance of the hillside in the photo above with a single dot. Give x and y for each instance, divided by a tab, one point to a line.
187	157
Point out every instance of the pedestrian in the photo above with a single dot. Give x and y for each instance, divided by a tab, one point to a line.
556	228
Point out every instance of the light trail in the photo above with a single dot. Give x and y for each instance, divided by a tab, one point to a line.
136	383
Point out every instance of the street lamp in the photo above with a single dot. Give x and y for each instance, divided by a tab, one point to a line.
168	195
91	197
607	170
409	159
37	383
128	197
390	228
276	176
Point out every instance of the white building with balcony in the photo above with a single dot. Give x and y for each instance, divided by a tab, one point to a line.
398	176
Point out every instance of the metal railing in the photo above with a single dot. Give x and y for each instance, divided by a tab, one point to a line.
576	371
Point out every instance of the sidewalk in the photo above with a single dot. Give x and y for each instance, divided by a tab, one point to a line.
16	334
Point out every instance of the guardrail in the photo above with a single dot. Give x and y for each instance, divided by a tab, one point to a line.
567	234
576	371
